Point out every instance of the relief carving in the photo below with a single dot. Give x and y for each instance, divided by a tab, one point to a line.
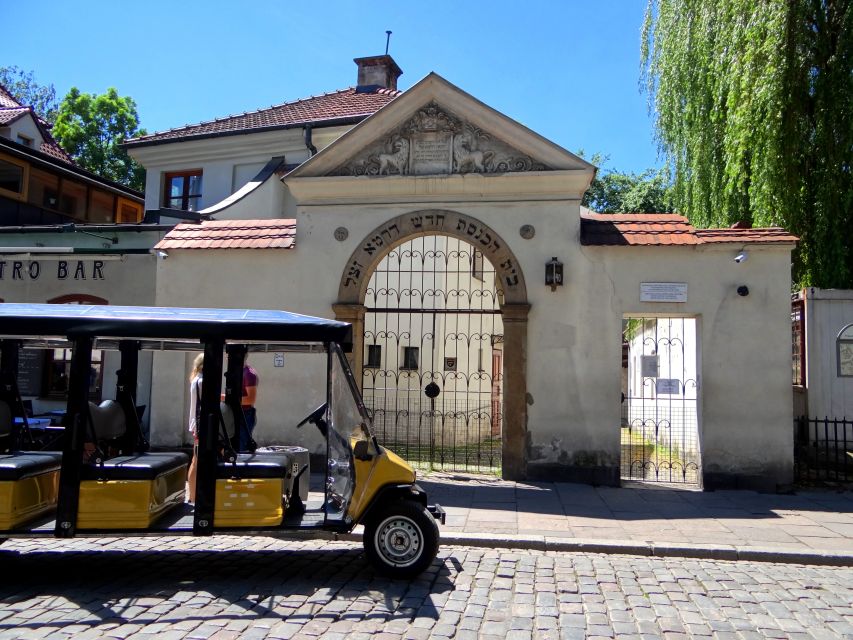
435	142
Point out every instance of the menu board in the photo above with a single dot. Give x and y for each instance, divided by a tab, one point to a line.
30	371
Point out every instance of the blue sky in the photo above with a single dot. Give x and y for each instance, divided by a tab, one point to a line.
568	70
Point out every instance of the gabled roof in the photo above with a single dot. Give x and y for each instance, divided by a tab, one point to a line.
11	110
667	229
346	106
232	234
435	89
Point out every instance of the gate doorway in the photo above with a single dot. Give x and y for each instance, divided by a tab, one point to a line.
660	426
432	373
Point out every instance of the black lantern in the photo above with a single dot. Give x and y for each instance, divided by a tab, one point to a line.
554	273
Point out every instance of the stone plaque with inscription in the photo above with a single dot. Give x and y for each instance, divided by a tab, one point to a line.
431	153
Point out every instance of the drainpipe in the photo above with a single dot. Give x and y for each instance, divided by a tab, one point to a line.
308	144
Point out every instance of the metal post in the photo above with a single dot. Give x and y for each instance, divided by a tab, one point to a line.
126	381
208	438
234	389
76	427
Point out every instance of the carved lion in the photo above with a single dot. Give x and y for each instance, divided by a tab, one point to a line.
467	157
398	160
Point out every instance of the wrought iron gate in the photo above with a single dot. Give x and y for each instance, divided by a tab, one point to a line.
433	355
660	433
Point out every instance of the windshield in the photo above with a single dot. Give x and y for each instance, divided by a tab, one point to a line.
348	422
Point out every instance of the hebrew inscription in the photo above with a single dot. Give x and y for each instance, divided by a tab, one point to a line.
436	142
380	241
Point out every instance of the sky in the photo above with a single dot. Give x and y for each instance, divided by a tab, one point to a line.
567	69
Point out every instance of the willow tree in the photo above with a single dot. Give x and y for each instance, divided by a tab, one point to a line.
753	102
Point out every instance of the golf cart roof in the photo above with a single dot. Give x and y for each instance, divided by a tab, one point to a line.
234	325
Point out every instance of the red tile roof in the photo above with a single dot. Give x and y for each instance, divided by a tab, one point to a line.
10	114
346	104
11	110
232	234
667	229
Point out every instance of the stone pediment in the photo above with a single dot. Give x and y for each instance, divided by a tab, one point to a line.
434	141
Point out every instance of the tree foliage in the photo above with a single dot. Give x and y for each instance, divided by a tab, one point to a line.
754	109
614	191
23	87
92	127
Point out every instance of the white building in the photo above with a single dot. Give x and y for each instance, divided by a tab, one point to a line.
315	233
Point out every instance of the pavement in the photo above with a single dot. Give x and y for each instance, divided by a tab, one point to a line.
807	527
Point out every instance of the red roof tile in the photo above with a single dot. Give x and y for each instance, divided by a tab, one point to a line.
766	235
232	234
666	229
6	98
343	104
10	114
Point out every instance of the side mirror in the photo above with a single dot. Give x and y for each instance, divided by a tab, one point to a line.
361	450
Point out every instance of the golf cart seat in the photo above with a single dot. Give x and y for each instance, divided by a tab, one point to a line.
128	492
256	488
29	480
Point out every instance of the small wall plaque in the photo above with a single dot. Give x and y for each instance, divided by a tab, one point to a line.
278	360
649	366
341	234
668	386
663	292
527	231
450	364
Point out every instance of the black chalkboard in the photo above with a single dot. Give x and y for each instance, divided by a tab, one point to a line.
30	371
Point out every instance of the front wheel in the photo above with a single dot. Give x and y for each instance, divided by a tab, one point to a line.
401	540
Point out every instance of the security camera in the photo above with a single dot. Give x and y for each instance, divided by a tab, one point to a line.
741	257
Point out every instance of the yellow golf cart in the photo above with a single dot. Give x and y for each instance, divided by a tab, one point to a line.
95	474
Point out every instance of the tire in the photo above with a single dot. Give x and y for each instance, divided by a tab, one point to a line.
401	539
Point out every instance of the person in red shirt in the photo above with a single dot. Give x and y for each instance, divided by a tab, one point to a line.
247	402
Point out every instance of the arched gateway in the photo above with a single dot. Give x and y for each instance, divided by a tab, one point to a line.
428	247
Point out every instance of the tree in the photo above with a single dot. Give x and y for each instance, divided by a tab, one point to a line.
92	127
754	113
23	87
617	192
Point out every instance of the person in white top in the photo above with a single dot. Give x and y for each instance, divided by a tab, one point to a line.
195	414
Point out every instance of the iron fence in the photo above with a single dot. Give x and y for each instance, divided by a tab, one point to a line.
823	449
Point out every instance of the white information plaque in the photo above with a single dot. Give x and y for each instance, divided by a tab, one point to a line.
663	292
669	386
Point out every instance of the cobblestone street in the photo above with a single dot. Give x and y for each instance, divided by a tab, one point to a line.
257	587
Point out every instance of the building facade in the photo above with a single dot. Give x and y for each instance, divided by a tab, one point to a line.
428	220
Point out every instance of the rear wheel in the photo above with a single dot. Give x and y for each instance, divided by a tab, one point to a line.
401	539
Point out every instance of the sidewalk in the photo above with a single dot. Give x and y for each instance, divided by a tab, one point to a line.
810	527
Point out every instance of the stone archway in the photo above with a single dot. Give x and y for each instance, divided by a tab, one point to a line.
514	309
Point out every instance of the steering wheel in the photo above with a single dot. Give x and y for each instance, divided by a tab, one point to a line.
315	416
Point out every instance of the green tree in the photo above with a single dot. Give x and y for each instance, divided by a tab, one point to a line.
92	128
618	192
23	87
754	113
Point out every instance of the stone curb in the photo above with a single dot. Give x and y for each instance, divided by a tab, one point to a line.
628	547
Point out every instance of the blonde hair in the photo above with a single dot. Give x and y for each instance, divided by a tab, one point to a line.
198	365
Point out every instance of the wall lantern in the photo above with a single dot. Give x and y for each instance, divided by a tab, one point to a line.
554	273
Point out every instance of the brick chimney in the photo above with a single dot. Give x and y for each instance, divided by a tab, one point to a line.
377	72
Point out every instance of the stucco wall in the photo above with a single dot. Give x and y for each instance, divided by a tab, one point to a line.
574	333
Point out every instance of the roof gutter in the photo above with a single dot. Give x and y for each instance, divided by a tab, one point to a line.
308	141
331	122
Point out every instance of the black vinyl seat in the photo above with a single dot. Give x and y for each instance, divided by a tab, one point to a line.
16	466
249	465
145	466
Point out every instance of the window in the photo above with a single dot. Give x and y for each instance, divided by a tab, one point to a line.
798	344
13	178
410	359
128	211
72	199
182	190
44	189
24	140
374	356
844	351
101	206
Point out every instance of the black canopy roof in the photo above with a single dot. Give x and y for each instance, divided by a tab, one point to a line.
169	323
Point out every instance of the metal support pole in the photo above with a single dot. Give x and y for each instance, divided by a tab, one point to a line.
208	437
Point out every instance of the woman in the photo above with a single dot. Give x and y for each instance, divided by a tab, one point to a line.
195	412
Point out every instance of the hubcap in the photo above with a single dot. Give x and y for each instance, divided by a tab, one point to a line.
398	540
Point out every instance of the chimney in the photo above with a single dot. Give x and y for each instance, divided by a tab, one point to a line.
376	72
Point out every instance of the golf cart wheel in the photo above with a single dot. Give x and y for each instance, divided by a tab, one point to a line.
401	539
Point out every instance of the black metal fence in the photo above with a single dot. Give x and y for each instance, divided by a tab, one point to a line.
823	449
